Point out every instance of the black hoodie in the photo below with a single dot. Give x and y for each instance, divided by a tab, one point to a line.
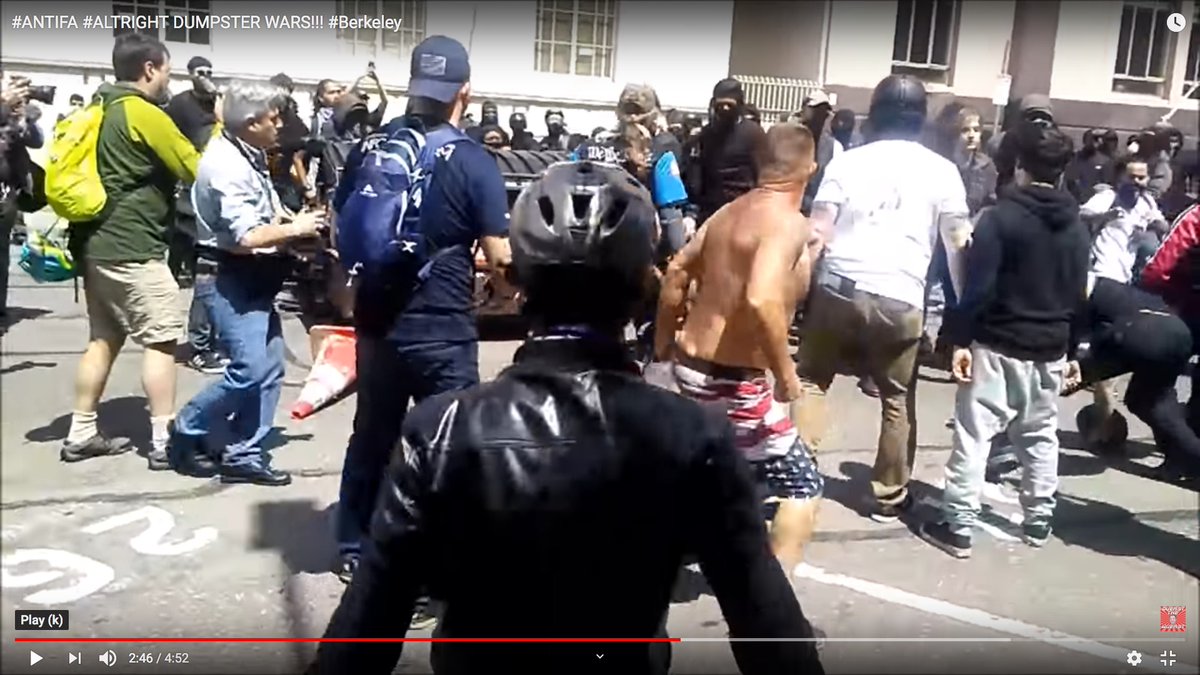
1026	277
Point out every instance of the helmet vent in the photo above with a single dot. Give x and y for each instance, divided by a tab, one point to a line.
547	208
582	204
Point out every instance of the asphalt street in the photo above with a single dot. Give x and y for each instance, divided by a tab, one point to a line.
134	554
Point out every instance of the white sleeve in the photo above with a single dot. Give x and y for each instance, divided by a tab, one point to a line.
954	194
1100	202
831	190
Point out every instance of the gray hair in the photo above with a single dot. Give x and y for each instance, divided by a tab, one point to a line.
245	102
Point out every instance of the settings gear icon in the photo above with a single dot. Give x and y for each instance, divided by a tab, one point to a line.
1134	658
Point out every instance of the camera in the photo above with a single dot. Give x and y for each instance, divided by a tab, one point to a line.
42	93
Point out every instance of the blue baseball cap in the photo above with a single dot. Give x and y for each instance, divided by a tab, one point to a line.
439	69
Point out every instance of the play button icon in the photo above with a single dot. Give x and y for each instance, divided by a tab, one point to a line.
34	657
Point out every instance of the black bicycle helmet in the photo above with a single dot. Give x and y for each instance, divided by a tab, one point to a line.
586	215
898	107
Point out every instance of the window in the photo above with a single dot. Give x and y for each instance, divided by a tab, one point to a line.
1142	50
190	32
922	45
576	37
377	43
1191	72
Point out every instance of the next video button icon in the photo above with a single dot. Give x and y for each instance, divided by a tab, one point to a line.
42	619
1167	658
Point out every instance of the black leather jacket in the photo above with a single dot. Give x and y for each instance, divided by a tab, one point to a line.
559	501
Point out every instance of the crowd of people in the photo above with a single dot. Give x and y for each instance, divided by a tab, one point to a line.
1033	270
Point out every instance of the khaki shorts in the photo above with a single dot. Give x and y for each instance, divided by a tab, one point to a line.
135	300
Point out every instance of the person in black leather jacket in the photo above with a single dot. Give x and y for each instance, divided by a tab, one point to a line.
585	486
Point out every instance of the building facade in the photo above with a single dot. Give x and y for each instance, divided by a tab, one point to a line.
1110	63
531	55
1104	63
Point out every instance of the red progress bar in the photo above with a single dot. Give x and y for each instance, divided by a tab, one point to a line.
561	640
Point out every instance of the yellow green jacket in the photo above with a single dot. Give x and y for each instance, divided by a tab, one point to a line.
140	155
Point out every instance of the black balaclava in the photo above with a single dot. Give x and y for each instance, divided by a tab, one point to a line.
490	115
842	127
731	89
517	123
555	123
486	130
1108	143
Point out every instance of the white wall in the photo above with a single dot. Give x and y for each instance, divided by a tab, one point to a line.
983	30
1085	53
860	42
681	53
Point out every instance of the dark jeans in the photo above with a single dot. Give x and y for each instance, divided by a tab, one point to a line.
243	311
390	376
202	337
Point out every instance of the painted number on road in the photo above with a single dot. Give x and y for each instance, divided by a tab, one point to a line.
90	575
159	523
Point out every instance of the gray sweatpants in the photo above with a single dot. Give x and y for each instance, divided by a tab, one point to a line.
1004	395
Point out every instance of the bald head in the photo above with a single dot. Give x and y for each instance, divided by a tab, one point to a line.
787	155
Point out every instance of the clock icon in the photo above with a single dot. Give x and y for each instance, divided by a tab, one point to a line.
1176	22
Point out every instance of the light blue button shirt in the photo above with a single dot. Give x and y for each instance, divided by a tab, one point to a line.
231	196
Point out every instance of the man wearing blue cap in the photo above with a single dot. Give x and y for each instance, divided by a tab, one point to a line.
413	345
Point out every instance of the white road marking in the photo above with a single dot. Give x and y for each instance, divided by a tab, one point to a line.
159	524
94	575
980	618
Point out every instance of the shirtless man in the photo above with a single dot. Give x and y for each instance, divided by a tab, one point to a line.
752	263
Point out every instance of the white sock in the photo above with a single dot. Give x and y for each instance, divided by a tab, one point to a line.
160	433
83	427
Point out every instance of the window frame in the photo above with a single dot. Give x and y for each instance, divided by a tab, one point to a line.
930	70
1157	86
348	38
162	8
605	16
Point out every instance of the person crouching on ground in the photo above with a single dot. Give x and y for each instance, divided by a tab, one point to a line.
1023	294
234	199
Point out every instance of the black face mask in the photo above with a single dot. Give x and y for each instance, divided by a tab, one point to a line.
518	124
555	128
490	116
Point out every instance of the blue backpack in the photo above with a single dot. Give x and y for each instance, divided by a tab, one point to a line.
379	237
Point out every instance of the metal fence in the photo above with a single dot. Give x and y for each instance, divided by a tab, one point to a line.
776	97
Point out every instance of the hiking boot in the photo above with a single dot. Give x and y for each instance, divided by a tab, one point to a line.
1036	534
890	513
941	537
208	363
96	446
347	566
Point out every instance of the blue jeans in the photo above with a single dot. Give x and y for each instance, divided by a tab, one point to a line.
389	377
201	335
243	313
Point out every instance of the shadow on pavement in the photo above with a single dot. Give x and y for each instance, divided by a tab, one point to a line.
1122	534
301	534
126	417
689	586
15	315
26	365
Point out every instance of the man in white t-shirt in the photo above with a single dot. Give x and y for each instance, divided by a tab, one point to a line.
1126	221
879	210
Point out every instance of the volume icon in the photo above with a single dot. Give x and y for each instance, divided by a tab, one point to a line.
108	658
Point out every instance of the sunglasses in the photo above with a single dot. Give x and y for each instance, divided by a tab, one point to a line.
203	72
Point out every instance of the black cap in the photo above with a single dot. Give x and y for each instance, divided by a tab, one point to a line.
197	62
440	67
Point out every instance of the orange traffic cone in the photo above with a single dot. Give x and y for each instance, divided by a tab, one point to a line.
332	373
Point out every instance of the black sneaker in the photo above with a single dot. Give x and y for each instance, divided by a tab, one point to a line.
890	513
422	618
1036	534
258	474
159	460
96	446
347	566
868	387
207	363
940	536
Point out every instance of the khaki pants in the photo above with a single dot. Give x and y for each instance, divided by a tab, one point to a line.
852	332
139	301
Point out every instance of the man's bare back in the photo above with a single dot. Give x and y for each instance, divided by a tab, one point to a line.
751	252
